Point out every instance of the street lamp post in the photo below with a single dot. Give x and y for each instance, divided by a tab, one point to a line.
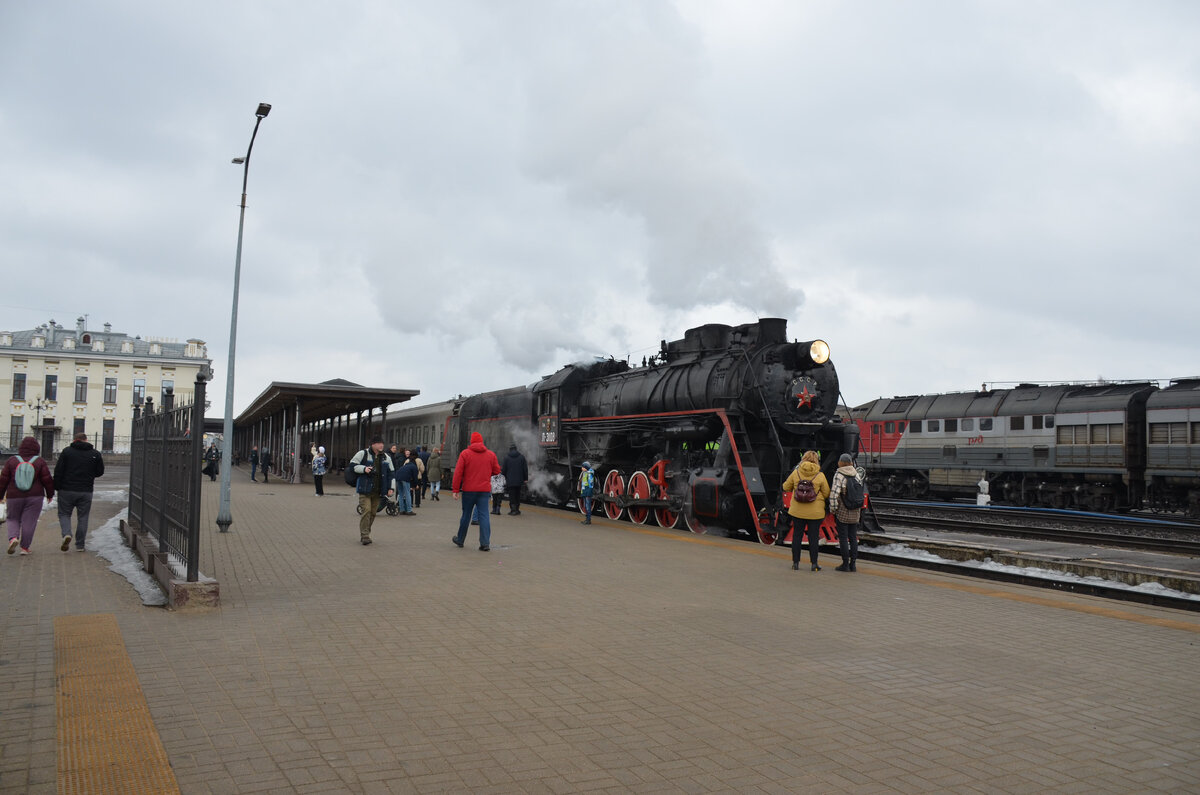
224	514
39	406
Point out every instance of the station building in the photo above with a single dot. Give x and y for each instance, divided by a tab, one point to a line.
56	382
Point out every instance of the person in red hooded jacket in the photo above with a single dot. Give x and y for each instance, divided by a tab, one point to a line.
25	507
473	480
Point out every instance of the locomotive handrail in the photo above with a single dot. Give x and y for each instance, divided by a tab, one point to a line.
763	398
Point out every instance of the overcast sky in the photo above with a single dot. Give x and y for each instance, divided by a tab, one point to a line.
461	196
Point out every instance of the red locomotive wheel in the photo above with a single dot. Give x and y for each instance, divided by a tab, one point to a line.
639	489
614	488
666	518
766	528
693	523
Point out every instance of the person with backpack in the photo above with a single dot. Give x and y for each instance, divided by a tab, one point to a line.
75	475
26	481
587	489
407	476
845	502
374	476
809	490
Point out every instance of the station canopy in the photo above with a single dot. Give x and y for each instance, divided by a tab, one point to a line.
323	401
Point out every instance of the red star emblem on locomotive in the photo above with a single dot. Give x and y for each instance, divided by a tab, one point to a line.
806	397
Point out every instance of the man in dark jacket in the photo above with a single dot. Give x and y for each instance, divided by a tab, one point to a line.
516	475
253	462
376	477
74	476
423	454
266	464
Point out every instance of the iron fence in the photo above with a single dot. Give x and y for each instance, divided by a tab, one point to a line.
164	477
53	444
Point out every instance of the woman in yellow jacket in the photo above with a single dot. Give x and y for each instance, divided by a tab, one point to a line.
806	516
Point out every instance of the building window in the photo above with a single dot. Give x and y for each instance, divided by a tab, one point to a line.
79	426
18	386
1016	423
168	388
81	389
51	387
106	441
16	429
110	390
139	391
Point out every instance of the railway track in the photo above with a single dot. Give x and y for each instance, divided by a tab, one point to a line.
1130	532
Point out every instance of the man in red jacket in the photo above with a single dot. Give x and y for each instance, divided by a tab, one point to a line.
473	479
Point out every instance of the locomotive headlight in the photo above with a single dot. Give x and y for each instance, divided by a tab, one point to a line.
818	351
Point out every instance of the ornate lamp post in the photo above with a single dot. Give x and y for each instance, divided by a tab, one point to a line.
224	515
39	406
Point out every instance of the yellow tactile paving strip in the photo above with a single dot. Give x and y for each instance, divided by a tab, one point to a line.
107	741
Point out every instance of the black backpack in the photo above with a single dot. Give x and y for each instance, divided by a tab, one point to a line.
350	475
854	494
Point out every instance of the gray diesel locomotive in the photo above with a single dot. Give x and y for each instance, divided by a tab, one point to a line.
703	433
1103	447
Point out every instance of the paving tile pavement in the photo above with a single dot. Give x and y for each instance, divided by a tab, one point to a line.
607	658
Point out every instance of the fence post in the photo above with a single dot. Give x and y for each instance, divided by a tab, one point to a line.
193	530
146	420
164	422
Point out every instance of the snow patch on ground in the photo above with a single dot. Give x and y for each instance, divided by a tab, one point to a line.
987	564
106	542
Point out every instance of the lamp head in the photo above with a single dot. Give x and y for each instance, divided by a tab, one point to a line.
263	110
239	160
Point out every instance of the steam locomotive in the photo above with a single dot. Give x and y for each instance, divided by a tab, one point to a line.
703	433
1103	447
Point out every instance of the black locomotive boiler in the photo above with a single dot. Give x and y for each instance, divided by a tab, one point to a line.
702	434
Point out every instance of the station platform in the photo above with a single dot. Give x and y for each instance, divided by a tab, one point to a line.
607	658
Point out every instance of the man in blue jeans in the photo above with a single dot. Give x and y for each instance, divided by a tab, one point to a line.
473	480
587	488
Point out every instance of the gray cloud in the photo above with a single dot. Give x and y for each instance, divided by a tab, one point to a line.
947	192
